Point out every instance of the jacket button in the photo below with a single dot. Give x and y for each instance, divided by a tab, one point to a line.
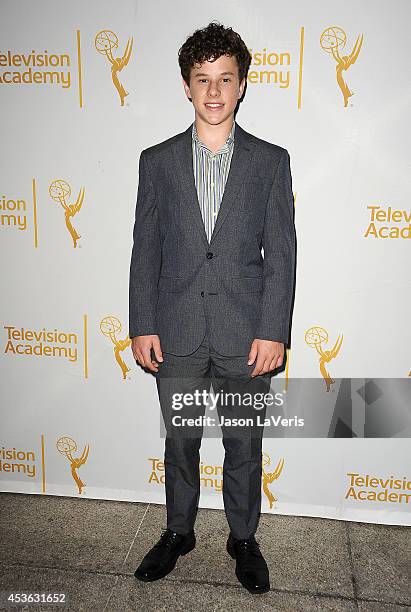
202	294
209	255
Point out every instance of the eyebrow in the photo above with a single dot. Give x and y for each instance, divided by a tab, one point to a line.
205	74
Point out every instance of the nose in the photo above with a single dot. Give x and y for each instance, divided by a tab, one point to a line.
213	89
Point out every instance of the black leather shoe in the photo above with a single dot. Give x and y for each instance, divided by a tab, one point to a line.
161	559
251	568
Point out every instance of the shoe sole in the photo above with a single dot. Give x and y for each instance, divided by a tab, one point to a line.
230	551
252	590
184	551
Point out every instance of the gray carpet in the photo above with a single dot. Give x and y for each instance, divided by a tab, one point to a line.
89	549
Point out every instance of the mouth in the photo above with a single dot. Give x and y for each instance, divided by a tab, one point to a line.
214	106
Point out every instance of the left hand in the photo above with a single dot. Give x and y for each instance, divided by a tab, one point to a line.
269	355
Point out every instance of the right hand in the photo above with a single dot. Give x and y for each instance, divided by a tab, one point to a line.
141	347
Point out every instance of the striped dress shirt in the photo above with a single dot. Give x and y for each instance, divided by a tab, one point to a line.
210	176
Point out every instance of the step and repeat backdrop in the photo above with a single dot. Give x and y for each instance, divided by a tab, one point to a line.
84	88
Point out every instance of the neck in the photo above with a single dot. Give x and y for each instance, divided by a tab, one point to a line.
214	136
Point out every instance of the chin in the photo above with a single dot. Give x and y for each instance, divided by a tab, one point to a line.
215	120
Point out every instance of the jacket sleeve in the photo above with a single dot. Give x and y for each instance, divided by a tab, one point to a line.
145	258
279	244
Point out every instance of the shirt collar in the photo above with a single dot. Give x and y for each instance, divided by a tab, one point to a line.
224	149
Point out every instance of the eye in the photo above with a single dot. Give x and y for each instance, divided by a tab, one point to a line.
205	80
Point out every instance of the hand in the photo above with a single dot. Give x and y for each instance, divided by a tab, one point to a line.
269	354
141	347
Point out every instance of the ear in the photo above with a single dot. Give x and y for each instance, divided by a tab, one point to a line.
242	85
186	89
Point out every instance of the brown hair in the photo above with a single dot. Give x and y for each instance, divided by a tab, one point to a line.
213	41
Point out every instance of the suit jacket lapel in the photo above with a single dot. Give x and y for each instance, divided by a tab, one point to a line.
239	167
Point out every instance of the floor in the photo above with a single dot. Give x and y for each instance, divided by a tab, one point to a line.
89	549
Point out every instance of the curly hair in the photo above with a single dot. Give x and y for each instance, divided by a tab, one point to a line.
213	41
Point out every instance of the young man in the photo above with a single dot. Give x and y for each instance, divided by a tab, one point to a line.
204	303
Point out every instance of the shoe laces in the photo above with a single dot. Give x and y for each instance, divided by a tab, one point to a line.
247	546
167	538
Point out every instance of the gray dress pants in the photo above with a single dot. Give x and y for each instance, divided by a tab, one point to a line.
242	465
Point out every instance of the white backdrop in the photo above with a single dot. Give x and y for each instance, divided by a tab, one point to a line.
71	424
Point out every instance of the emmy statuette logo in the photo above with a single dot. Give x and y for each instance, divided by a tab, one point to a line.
60	191
67	446
269	477
106	42
110	326
332	41
315	337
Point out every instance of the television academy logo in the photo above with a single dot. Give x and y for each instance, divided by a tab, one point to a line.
18	461
366	487
211	476
41	343
13	212
35	68
48	68
388	222
271	67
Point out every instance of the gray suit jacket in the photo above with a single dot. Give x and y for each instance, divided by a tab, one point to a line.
180	285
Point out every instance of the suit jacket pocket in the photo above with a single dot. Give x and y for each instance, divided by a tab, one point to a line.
246	284
171	284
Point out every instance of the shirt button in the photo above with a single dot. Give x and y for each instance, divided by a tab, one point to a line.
209	255
202	294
